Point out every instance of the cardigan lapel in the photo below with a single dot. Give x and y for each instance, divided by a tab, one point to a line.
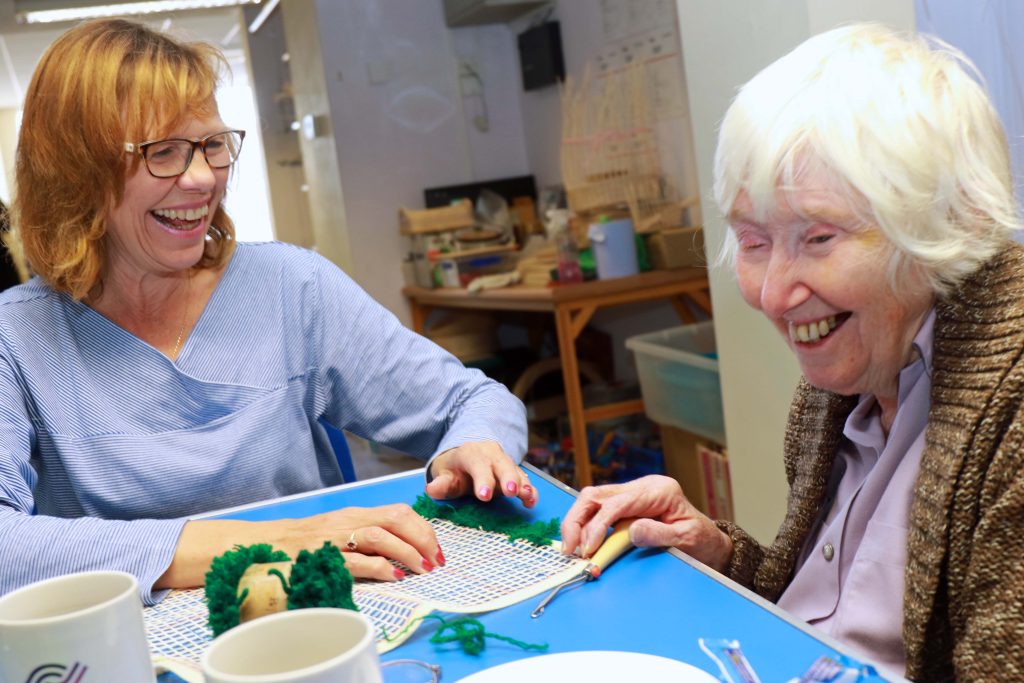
813	434
969	365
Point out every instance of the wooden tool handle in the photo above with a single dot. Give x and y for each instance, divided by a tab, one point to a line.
613	547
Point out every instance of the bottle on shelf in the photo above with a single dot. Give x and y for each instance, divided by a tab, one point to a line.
568	256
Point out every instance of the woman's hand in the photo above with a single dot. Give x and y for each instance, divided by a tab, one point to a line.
666	518
369	539
483	468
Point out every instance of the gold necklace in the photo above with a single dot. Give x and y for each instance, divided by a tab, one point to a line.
184	316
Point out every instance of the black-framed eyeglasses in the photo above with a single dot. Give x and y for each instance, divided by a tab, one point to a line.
172	157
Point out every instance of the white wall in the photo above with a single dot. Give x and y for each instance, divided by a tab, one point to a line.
248	195
401	124
724	45
989	34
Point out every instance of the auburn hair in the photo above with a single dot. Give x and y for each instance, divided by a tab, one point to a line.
100	85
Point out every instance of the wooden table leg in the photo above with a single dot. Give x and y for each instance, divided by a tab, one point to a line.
420	313
564	326
701	297
684	313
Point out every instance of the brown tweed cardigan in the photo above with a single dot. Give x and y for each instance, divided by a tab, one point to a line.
963	607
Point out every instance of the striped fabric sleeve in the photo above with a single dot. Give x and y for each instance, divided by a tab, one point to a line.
384	382
37	547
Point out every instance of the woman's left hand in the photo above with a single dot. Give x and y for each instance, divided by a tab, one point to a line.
666	519
483	468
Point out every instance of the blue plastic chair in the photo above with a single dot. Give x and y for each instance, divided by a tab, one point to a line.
341	451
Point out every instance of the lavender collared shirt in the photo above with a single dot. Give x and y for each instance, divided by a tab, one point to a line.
849	577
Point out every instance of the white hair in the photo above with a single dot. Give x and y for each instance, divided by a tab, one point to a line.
903	125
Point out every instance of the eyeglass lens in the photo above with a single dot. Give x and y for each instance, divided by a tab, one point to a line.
172	157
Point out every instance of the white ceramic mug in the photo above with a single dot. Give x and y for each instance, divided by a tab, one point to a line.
77	628
314	645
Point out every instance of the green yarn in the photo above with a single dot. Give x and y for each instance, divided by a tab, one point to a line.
479	517
469	633
222	582
318	579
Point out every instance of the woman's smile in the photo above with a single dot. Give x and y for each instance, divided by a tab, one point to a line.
813	331
182	219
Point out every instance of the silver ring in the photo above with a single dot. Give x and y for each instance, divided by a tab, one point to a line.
351	544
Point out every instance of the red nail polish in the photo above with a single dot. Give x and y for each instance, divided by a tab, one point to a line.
511	487
440	557
399	574
428	565
485	493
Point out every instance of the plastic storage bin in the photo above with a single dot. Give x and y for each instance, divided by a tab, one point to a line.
678	370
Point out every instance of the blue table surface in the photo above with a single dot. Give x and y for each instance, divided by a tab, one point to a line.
648	601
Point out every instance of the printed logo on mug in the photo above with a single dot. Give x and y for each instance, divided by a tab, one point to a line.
76	628
58	673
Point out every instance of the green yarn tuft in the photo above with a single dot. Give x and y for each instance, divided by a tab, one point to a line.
478	517
320	579
222	582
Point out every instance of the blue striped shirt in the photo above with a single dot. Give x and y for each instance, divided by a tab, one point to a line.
106	444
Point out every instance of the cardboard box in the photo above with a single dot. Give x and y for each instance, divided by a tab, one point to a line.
442	219
467	335
677	248
701	468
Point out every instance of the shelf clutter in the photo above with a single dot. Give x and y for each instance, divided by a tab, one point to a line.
612	174
451	246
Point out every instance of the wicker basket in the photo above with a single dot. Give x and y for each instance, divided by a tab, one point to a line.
606	193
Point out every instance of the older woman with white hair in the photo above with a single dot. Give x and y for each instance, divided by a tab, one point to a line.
867	185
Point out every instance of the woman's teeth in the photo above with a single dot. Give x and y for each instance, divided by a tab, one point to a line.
183	215
810	332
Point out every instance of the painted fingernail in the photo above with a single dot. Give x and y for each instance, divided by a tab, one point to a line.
527	489
399	574
439	557
484	493
511	487
428	565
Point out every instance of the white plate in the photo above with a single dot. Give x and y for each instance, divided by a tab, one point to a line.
593	667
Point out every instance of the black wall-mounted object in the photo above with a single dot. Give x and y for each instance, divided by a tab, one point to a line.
540	56
477	12
509	188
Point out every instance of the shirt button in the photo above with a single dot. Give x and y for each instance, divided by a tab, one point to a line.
828	552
